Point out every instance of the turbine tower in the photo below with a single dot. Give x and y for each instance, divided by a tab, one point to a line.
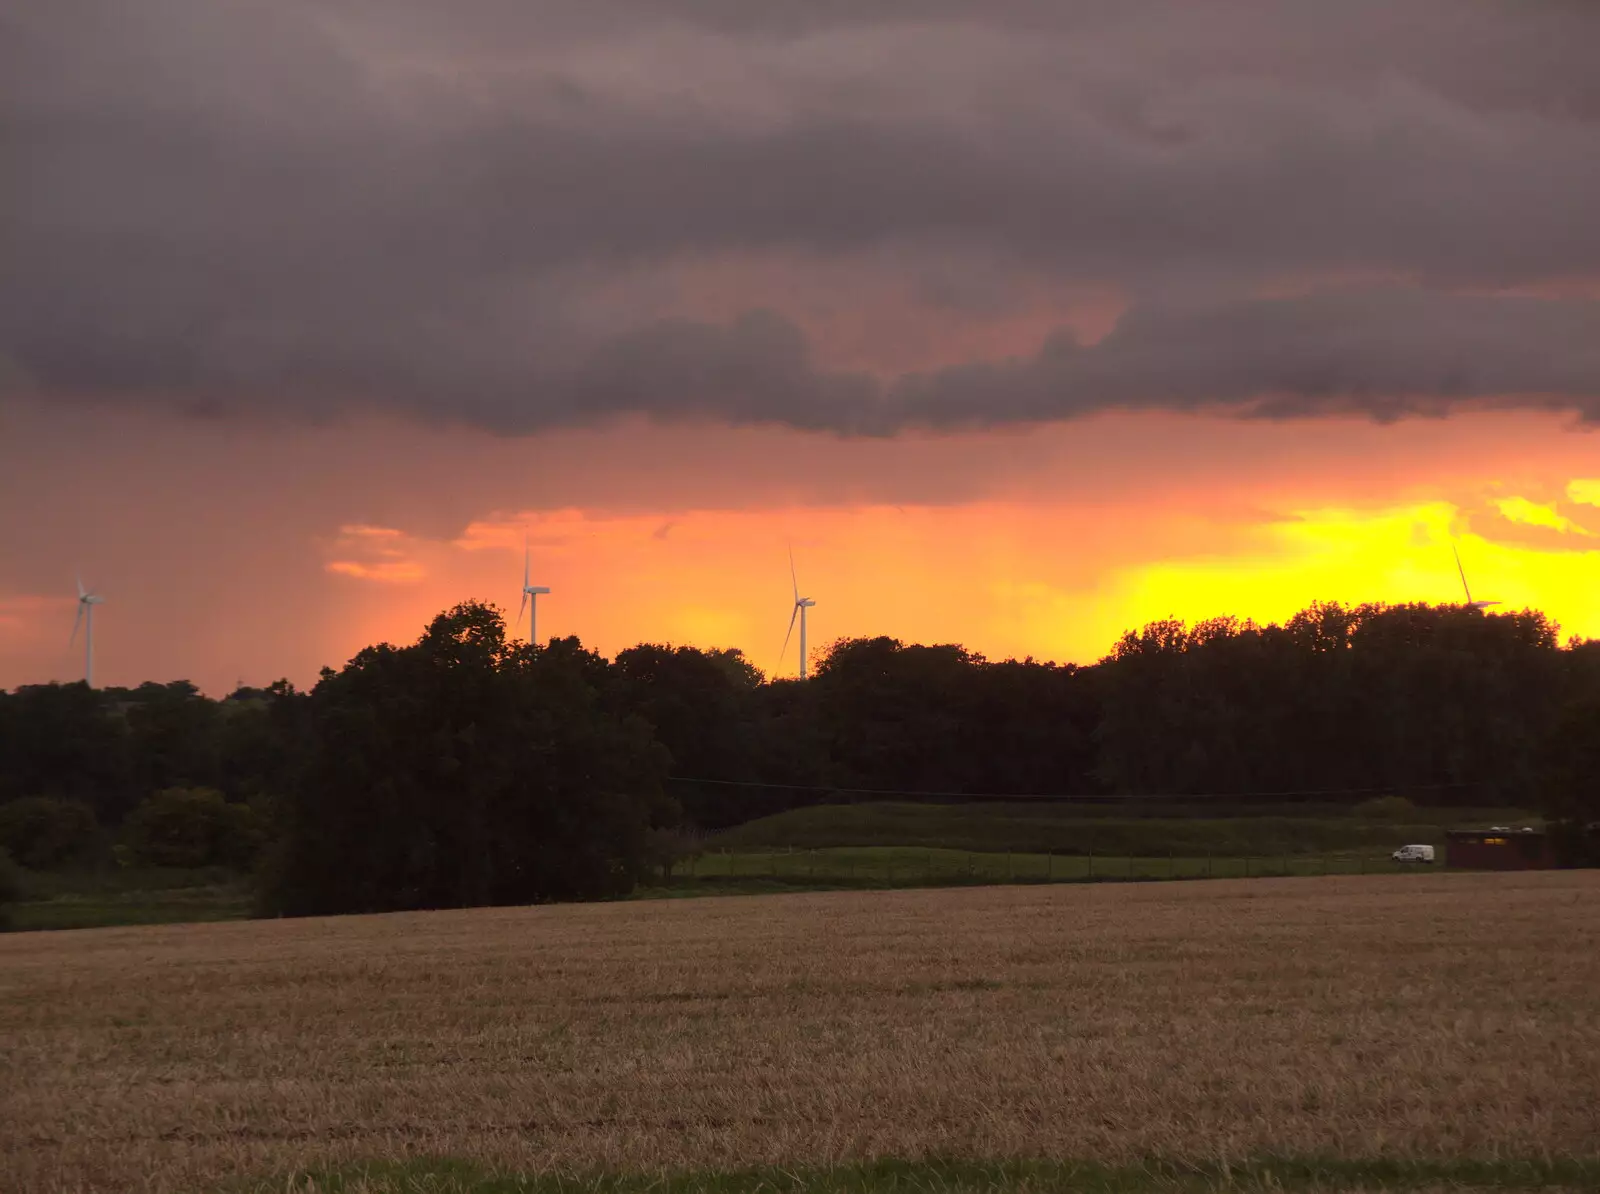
801	604
1471	604
86	603
530	598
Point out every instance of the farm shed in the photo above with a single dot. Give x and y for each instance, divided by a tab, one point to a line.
1498	849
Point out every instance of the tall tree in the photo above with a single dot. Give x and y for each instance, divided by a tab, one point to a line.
702	707
465	770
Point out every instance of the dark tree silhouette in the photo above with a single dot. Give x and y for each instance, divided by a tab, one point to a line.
464	770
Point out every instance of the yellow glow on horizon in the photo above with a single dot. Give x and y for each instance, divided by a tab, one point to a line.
1393	556
1052	581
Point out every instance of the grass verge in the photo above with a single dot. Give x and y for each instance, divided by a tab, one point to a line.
192	897
135	896
968	1177
1081	829
748	872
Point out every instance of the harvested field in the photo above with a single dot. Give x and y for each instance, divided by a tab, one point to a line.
1434	1017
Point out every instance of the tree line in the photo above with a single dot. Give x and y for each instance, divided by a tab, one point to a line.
466	768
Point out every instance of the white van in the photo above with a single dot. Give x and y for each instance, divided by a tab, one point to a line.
1413	854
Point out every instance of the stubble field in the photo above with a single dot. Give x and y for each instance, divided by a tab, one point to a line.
1433	1018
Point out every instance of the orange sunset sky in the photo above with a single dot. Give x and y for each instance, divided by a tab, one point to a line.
1020	325
254	553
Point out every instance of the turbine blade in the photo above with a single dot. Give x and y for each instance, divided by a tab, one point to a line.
76	622
82	592
792	618
1463	573
524	561
794	579
522	610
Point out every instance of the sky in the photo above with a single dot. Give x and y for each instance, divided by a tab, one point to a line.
1019	324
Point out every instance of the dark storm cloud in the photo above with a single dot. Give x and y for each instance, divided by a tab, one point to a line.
1386	354
311	208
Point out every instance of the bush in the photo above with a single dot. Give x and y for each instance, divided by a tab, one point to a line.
11	889
43	834
666	848
192	827
1575	844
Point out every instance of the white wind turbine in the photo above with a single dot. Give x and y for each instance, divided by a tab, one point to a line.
86	603
801	604
530	597
1471	604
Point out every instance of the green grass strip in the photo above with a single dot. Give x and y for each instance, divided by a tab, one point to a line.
1278	1176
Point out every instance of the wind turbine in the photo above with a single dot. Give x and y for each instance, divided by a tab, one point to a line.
1471	604
801	604
86	603
530	597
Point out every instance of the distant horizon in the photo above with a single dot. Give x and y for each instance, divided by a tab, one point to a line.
768	674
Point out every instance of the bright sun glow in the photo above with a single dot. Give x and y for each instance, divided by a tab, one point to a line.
1053	582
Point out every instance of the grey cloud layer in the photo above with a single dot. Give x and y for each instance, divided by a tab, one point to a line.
310	208
1386	354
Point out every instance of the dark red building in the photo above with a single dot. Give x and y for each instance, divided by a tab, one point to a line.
1498	849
